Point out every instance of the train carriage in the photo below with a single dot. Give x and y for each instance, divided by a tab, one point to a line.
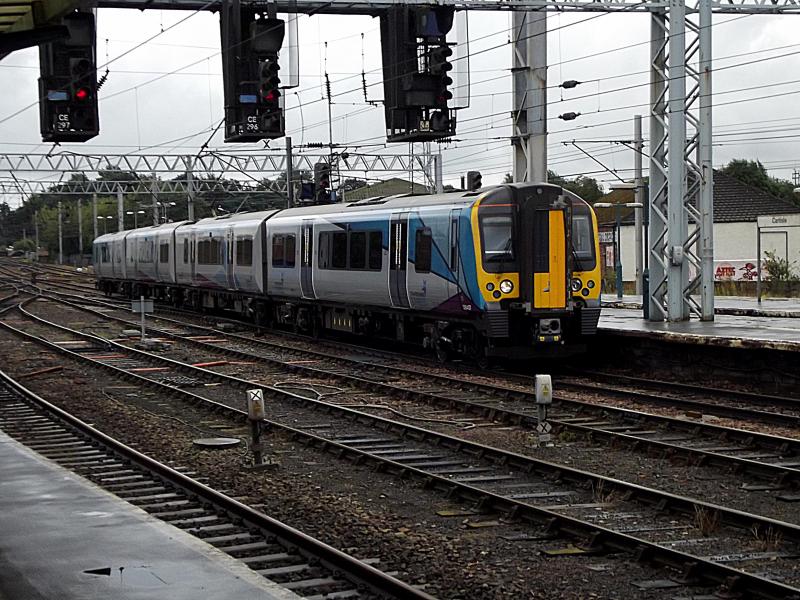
510	270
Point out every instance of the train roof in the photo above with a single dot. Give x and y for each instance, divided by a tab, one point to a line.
222	220
387	202
110	237
401	201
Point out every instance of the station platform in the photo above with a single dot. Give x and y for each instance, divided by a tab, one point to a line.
744	306
55	527
765	331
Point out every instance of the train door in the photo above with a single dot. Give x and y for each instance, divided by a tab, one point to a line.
228	262
193	255
550	259
306	258
453	254
398	260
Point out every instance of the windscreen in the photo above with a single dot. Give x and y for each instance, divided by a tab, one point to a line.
582	238
497	237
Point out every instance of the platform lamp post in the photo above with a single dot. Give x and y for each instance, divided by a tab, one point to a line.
105	222
618	236
135	214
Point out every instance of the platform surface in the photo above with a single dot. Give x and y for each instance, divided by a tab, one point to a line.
55	525
724	305
775	333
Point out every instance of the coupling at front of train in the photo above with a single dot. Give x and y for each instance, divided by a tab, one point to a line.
509	271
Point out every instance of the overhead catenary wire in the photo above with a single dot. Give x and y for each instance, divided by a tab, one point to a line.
590	95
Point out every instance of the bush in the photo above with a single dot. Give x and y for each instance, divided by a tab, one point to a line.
780	269
25	245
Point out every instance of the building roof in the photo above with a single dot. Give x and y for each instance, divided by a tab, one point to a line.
389	187
734	202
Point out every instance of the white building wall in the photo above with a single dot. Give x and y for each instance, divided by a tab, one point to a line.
732	241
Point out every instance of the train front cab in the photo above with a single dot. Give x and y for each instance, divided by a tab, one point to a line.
527	272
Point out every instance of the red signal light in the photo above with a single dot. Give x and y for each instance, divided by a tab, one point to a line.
270	96
82	94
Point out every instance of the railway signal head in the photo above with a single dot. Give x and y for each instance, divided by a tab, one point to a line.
68	83
322	181
439	66
269	82
474	180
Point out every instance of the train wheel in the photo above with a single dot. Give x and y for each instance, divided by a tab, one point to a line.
442	352
481	354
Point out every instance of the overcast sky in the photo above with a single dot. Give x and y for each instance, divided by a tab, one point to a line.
756	116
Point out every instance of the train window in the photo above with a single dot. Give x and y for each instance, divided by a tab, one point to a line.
145	252
244	252
497	240
209	252
216	252
422	250
339	250
375	250
358	250
278	251
201	252
185	250
325	250
163	253
582	240
104	253
454	242
290	250
283	250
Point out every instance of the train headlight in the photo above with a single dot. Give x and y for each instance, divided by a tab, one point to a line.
490	286
576	284
590	284
506	286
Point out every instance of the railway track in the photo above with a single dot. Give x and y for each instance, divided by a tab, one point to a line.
276	551
597	513
773	460
731	404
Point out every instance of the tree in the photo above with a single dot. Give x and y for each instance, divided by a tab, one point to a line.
753	173
585	187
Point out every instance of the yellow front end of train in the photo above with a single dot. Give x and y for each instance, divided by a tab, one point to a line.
537	267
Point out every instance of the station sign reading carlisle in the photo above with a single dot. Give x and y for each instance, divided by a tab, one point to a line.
778	221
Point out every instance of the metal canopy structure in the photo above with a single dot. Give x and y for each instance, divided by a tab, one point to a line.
212	172
211	163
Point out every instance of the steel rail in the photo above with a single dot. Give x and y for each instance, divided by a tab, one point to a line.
721	410
779	474
360	574
756	398
705	570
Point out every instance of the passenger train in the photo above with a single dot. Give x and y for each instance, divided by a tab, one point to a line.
507	271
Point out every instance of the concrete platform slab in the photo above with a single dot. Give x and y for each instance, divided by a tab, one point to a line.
724	305
772	333
62	537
